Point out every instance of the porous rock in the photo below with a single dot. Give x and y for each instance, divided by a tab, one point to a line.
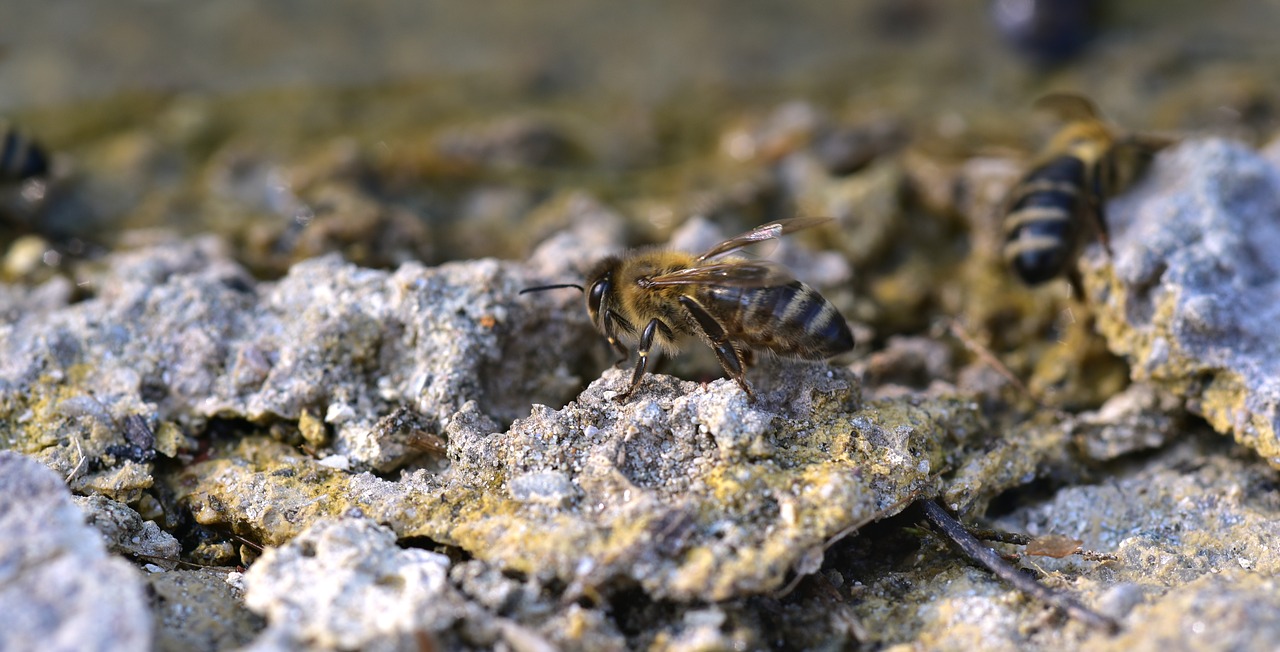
345	584
200	610
1192	294
59	589
1191	528
125	532
182	333
687	491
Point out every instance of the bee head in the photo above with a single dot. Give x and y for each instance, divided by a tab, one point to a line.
599	281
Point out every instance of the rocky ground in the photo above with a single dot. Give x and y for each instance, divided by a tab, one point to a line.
273	387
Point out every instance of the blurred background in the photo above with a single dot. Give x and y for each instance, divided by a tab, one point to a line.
191	115
887	51
392	131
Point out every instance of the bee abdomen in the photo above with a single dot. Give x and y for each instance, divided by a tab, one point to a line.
20	157
791	320
1041	226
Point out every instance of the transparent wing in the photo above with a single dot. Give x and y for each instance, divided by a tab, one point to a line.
741	273
764	232
1069	106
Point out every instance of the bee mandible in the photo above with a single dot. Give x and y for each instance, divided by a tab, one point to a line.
654	297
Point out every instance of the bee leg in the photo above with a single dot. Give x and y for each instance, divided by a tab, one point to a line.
1103	232
715	335
610	320
1076	281
1100	223
642	355
1103	184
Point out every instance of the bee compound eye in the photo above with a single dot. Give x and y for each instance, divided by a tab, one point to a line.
596	295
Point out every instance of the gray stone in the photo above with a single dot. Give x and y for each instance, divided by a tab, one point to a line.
547	487
345	584
1139	418
1192	528
59	589
182	332
200	610
687	491
124	532
1192	295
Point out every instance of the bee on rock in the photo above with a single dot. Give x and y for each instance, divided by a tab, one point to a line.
734	305
21	158
1050	209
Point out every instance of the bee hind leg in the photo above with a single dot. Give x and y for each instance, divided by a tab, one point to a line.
1104	184
1100	225
718	339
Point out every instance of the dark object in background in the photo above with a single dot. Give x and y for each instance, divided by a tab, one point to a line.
846	150
142	440
1048	32
21	158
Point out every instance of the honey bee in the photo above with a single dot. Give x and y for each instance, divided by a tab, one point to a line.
21	158
1049	210
734	305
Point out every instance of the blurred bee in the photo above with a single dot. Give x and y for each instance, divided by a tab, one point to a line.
1051	207
734	305
21	158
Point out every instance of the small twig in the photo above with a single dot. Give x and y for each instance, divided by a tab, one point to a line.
970	545
977	348
76	469
252	544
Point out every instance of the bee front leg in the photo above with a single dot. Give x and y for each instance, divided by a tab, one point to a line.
642	355
715	335
1104	235
610	321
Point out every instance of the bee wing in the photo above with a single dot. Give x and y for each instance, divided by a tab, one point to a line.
764	232
738	273
1069	106
1146	142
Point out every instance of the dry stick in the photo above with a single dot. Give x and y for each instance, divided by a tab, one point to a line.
990	359
1005	571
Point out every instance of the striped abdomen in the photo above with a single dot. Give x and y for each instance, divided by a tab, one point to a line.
1043	225
792	319
20	157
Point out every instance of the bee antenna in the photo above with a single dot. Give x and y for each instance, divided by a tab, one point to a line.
552	287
